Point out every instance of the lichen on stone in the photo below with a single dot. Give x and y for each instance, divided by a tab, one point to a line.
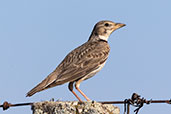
73	107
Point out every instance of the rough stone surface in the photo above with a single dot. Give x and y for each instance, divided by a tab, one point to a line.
73	107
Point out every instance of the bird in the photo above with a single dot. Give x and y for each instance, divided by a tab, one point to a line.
83	62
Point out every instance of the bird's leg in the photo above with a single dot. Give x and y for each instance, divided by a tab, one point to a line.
70	87
77	84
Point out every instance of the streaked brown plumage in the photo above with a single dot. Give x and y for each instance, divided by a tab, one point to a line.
83	62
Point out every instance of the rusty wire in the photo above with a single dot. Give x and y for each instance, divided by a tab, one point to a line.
7	105
135	101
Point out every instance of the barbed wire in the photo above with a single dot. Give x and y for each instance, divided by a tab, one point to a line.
135	101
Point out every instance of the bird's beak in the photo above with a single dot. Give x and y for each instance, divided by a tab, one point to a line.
119	25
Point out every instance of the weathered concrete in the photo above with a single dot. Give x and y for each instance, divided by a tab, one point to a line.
73	107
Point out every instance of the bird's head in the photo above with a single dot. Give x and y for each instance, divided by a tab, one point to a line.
103	29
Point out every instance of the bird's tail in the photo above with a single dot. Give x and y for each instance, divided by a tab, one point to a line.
33	91
43	85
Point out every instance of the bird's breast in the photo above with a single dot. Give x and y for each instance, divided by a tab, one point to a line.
94	71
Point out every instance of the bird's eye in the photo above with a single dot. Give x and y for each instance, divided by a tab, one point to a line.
106	24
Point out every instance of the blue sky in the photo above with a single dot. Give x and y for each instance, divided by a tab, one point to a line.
35	36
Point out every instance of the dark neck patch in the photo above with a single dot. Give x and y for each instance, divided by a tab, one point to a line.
101	40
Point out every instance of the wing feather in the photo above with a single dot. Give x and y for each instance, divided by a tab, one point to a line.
76	65
87	60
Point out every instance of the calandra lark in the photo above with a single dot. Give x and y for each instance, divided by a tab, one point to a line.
83	62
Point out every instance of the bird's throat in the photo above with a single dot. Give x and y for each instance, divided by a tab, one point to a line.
102	37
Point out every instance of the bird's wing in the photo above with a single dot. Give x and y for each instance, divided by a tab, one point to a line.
83	60
76	65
